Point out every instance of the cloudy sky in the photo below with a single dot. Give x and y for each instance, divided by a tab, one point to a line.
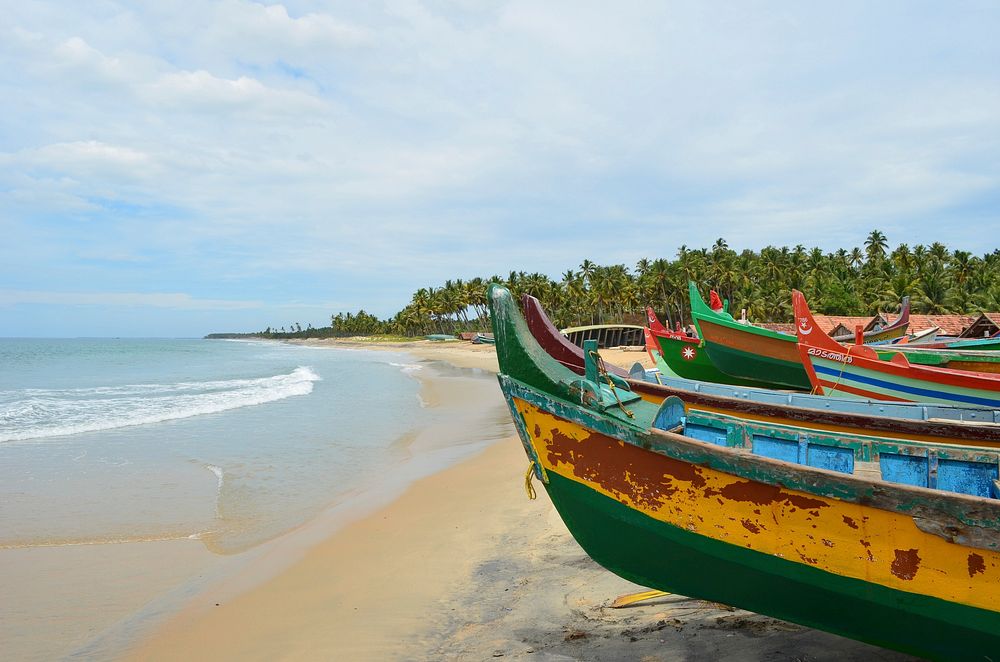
175	168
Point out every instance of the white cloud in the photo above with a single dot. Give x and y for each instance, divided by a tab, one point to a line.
201	91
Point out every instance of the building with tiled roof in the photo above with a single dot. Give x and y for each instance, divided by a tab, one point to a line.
833	325
984	326
950	325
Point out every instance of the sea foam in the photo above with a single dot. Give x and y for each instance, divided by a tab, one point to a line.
39	413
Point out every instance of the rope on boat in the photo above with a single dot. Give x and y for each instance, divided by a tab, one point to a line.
603	370
528	487
843	366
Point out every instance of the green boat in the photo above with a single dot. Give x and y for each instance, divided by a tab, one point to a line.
686	355
829	531
744	351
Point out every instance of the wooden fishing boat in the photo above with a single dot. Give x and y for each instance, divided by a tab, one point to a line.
483	339
823	532
962	344
745	351
979	344
897	329
928	336
554	342
855	370
686	355
956	359
606	335
943	424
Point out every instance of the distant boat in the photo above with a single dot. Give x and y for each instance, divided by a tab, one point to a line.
982	344
889	332
955	359
606	335
824	530
441	337
928	335
483	339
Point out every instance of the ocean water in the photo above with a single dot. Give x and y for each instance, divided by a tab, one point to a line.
229	442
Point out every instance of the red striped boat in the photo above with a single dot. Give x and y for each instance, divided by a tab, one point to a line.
855	370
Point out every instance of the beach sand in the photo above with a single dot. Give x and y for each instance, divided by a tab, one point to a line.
463	566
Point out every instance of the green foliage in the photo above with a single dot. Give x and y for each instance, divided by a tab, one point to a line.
859	281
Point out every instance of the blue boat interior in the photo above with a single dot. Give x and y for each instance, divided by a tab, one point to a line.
965	470
919	412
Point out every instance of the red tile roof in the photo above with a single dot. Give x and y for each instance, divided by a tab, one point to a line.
830	322
950	325
984	323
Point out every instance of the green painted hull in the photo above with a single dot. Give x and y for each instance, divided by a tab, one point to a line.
721	517
770	371
743	351
699	367
658	555
978	344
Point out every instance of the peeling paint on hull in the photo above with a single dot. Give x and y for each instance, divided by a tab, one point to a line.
856	571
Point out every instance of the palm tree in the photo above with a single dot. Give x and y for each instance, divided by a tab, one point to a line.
875	246
932	290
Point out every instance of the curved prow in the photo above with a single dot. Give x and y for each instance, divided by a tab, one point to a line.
898	327
555	343
699	306
904	313
518	353
654	322
806	329
810	335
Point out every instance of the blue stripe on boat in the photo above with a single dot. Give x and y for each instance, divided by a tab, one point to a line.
915	390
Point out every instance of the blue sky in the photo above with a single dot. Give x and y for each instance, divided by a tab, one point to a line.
176	168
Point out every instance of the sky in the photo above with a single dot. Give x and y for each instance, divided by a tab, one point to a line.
171	169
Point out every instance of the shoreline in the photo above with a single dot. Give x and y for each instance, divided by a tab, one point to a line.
100	599
461	565
424	450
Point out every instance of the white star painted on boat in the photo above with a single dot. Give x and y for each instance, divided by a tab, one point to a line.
688	353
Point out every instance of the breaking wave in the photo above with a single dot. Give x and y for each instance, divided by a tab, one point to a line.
39	413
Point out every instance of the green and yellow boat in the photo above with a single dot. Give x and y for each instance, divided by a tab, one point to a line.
830	531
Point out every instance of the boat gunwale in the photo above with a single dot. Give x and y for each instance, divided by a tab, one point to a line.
536	322
971	520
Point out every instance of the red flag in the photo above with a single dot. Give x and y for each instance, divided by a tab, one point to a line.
714	302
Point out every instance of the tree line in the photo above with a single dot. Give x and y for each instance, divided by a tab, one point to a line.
861	282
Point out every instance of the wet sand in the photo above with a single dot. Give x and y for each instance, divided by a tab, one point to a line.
462	566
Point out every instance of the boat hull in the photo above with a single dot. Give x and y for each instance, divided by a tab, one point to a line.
867	379
942	358
690	360
770	360
685	563
682	527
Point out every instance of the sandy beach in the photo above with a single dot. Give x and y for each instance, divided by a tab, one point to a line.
463	566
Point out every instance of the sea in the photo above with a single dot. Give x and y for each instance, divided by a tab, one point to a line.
139	474
230	442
